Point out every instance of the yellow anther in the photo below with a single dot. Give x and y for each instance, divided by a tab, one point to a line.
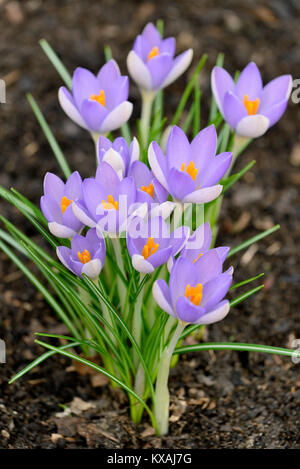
194	294
149	189
251	106
153	53
100	98
64	204
111	204
149	248
197	258
84	256
190	169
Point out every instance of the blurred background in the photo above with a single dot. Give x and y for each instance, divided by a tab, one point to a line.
226	399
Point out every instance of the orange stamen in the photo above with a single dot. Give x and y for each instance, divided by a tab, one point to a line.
194	294
100	98
153	53
149	189
190	169
197	258
149	248
111	204
84	256
64	204
251	106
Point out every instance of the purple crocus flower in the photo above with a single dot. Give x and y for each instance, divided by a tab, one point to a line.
97	103
151	63
190	172
86	256
107	202
56	204
196	290
198	244
118	154
151	244
249	107
150	190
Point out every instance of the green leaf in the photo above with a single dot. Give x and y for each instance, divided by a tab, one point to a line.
237	346
227	183
252	240
246	295
244	282
213	107
50	137
197	100
56	62
188	90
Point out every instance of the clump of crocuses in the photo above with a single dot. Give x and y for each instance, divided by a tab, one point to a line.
139	269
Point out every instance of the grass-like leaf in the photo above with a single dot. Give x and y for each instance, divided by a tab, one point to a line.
252	240
56	62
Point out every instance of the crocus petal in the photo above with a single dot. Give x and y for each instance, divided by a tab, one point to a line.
61	231
160	192
108	73
179	238
181	184
92	269
203	147
183	273
114	159
160	257
275	112
84	83
163	210
73	186
216	168
82	215
234	109
219	313
64	253
134	151
159	67
158	164
178	148
180	64
54	187
51	208
275	91
116	92
208	266
222	252
141	264
215	290
168	45
151	34
67	103
117	117
187	311
162	296
93	114
69	219
202	196
249	82
221	82
139	71
253	126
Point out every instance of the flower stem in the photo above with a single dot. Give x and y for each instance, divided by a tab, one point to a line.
119	260
137	319
162	396
147	101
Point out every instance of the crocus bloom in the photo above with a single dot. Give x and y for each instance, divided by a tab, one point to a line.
107	202
249	107
196	290
151	63
151	244
149	190
198	244
190	172
118	154
86	256
97	103
56	204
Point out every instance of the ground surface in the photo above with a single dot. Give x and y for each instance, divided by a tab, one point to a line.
226	400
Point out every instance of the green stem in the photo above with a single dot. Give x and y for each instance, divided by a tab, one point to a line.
119	260
137	322
162	396
147	101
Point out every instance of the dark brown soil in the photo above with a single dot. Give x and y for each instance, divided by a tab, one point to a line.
223	399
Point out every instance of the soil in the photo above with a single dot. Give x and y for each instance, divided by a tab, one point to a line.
219	400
